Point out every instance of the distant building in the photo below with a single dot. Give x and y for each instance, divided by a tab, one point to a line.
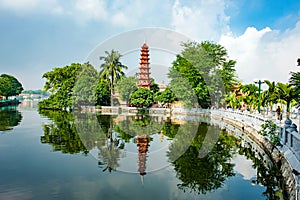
162	87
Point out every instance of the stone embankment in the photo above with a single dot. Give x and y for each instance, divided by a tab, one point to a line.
286	155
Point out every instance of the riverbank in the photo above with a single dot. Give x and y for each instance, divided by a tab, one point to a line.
4	103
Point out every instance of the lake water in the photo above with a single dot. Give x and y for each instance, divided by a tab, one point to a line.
57	155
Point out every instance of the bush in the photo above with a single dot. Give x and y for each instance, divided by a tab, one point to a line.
269	129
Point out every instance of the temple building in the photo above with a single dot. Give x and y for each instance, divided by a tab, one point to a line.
144	74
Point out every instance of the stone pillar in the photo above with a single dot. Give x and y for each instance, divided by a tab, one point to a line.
287	124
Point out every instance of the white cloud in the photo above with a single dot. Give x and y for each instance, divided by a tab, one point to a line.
201	20
244	167
264	54
21	7
91	9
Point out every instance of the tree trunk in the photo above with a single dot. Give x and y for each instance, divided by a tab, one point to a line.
112	90
110	130
288	109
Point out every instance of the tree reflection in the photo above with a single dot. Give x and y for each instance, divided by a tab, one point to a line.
202	174
139	125
200	153
10	117
108	144
61	133
267	174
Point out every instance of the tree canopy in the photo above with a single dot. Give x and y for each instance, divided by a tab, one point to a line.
60	83
126	86
142	97
112	69
205	67
9	86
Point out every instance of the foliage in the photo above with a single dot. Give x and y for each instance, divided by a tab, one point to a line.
154	87
181	86
126	86
206	69
142	98
9	86
102	94
269	95
165	97
285	92
269	128
61	133
9	119
112	69
202	174
267	173
85	86
60	83
295	81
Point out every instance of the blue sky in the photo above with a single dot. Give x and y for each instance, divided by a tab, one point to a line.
36	36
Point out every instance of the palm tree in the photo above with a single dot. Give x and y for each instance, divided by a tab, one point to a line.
270	94
295	81
112	69
231	100
285	92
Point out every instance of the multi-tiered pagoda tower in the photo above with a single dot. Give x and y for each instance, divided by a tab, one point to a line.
144	74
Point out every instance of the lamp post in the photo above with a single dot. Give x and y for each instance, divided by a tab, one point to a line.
259	82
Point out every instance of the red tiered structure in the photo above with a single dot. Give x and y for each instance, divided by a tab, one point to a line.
142	145
144	75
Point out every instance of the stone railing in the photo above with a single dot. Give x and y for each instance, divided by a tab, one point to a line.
289	135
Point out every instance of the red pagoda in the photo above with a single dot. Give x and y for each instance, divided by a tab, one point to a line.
144	74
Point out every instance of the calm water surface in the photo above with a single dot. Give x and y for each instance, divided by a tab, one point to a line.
57	155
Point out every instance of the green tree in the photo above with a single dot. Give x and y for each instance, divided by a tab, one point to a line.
165	97
102	94
295	81
270	94
112	69
207	69
154	87
85	86
184	78
9	86
60	83
251	95
142	98
286	92
126	86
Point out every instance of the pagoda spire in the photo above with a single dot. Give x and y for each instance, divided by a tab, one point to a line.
144	74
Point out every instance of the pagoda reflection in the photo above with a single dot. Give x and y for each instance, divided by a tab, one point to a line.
142	142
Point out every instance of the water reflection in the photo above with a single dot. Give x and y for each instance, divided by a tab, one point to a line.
267	173
9	118
61	133
202	161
